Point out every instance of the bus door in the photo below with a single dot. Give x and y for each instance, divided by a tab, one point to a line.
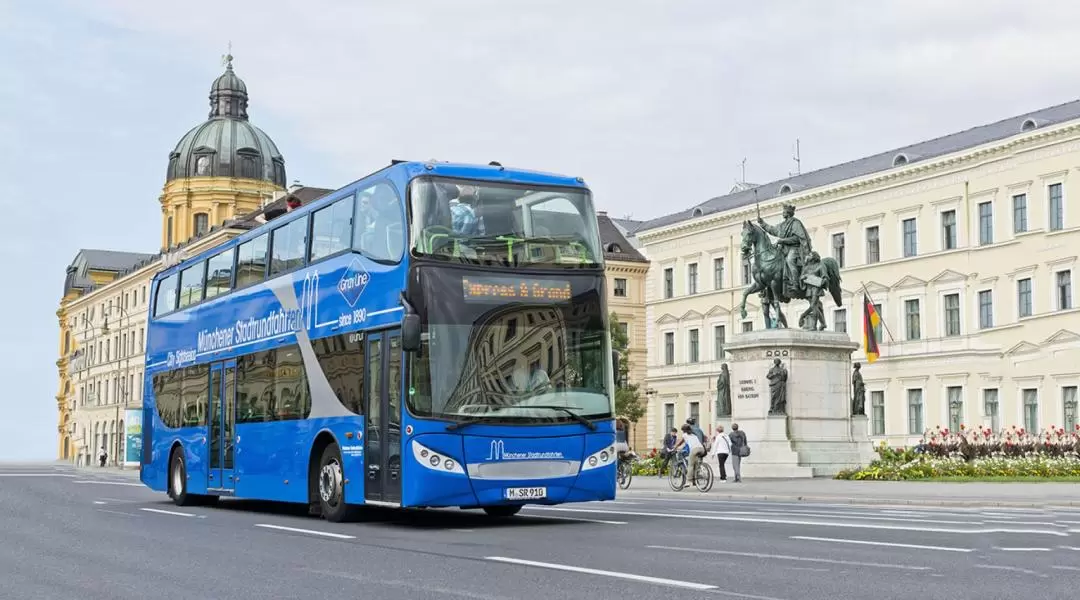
382	435
222	420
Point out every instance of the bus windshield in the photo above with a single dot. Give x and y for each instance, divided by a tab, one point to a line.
485	358
481	223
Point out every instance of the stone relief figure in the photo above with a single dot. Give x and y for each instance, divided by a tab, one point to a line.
858	400
777	388
723	392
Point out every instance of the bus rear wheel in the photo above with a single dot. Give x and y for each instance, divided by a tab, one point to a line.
178	480
330	485
502	511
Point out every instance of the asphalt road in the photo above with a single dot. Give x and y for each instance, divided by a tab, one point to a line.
87	535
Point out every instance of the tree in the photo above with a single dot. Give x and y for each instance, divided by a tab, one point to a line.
628	403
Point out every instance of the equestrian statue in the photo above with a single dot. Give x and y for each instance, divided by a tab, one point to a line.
788	270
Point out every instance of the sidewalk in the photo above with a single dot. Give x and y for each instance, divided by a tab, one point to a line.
129	472
1027	495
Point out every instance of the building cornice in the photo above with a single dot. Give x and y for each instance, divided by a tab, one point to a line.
911	173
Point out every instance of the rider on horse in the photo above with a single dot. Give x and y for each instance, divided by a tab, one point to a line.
793	243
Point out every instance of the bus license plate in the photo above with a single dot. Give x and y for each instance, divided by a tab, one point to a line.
526	493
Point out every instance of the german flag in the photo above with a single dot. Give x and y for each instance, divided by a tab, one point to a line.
871	321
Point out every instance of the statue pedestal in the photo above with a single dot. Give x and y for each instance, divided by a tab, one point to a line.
818	436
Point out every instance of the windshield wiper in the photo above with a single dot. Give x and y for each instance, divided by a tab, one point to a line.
576	417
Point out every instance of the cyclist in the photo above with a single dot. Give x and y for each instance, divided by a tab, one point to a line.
693	447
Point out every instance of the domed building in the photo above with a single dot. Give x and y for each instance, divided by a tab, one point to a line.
221	168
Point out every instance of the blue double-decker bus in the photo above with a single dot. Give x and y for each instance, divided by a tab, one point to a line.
432	335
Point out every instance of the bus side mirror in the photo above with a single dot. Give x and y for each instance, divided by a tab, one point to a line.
615	366
410	332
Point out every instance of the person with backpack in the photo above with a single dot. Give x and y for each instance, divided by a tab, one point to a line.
696	450
739	449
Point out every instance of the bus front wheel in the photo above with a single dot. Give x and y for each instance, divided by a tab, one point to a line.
503	510
330	484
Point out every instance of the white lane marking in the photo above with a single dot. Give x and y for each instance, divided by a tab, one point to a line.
796	522
869	543
839	516
1064	568
167	512
795	558
98	502
464	530
34	475
1021	549
631	576
111	483
310	531
601	521
1013	522
1016	569
116	512
1070	548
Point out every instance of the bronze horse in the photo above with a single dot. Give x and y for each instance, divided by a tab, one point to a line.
767	275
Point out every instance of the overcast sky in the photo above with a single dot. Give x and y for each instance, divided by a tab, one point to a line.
655	104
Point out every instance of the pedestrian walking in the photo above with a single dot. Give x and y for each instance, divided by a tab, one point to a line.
740	449
670	440
102	456
721	449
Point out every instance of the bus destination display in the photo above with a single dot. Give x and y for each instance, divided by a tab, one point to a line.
488	289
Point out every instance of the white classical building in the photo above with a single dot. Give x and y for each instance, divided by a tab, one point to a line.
967	243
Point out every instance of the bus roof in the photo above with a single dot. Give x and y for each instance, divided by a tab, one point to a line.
493	172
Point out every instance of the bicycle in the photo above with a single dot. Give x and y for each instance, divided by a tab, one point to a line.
625	469
677	477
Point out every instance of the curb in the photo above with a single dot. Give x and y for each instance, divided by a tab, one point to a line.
861	501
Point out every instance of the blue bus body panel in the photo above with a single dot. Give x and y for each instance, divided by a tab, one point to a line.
340	295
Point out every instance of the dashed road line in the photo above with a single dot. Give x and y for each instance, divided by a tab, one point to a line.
631	576
870	543
795	558
339	536
167	512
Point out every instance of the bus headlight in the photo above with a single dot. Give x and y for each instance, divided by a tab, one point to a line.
435	461
599	459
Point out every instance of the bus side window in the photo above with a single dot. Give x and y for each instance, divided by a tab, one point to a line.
383	237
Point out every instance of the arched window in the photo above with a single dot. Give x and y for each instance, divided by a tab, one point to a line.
202	223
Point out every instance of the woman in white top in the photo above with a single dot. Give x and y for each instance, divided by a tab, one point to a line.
697	450
721	448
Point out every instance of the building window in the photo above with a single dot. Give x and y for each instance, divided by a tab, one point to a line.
877	410
955	397
986	223
840	320
747	326
620	287
1056	208
990	408
838	248
912	319
1020	213
915	412
169	232
669	418
1069	404
948	230
669	348
669	282
986	309
695	343
878	330
695	411
718	342
1064	290
718	273
1023	297
746	272
691	278
1031	410
202	223
952	314
873	245
911	238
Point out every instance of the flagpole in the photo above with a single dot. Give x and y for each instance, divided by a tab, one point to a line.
867	292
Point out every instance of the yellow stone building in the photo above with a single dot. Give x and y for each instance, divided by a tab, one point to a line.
225	176
967	243
626	269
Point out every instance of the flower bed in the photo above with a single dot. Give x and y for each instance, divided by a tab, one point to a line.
978	453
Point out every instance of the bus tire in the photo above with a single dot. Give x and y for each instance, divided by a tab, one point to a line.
330	484
178	479
502	510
